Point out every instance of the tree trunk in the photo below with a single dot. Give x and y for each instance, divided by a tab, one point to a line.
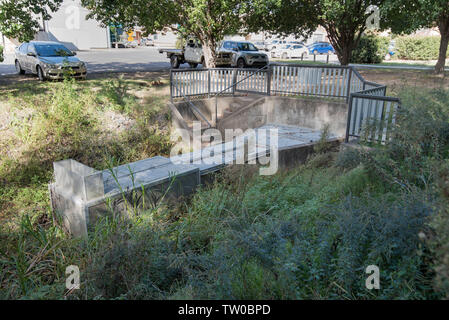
344	43
444	30
344	55
210	55
343	50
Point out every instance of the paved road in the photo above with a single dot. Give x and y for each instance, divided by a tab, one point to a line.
148	59
111	60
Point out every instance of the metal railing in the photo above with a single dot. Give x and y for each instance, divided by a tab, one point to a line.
371	114
251	83
198	114
207	82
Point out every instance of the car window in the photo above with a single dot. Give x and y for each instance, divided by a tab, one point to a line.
233	46
246	46
24	48
31	48
52	50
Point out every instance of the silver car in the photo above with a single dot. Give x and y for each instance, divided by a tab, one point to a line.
244	54
49	60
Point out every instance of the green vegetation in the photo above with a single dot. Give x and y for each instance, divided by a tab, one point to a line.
89	121
1	54
20	18
417	48
305	233
371	49
407	16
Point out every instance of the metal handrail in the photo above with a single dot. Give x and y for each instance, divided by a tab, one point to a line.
193	106
235	85
357	87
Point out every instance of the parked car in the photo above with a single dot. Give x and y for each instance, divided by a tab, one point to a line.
49	60
261	45
244	54
276	44
131	44
321	48
290	51
239	54
147	42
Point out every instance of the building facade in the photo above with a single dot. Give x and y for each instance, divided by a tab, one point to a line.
70	26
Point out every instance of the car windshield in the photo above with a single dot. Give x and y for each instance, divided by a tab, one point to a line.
286	46
246	46
52	50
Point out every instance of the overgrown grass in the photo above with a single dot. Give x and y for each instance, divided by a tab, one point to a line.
307	233
89	121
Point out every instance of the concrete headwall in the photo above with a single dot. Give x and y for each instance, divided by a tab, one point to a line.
313	113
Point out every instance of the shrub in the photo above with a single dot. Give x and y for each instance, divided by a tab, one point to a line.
420	140
440	240
417	48
287	258
1	54
371	49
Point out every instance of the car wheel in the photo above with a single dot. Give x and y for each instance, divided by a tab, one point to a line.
40	73
193	65
241	63
19	69
174	61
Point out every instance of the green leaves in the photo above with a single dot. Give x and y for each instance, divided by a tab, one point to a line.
19	18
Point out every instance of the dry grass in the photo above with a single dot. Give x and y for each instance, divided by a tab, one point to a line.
123	117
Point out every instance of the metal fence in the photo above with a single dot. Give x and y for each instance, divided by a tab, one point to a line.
207	82
322	81
371	114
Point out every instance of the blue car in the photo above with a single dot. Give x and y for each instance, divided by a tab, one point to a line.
321	48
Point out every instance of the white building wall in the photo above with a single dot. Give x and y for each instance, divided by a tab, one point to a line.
69	26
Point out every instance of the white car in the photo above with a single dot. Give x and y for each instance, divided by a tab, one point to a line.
290	51
273	45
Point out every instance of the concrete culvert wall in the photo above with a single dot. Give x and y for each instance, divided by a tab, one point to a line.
255	111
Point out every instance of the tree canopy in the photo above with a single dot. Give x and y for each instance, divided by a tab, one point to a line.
207	20
406	16
344	20
19	18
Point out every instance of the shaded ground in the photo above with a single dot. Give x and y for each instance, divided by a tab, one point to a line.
397	79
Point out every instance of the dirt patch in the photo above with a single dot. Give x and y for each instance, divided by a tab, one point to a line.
396	79
147	75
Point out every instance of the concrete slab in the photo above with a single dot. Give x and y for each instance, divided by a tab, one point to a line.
82	195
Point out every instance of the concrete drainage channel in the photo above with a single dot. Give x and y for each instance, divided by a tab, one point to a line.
82	195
